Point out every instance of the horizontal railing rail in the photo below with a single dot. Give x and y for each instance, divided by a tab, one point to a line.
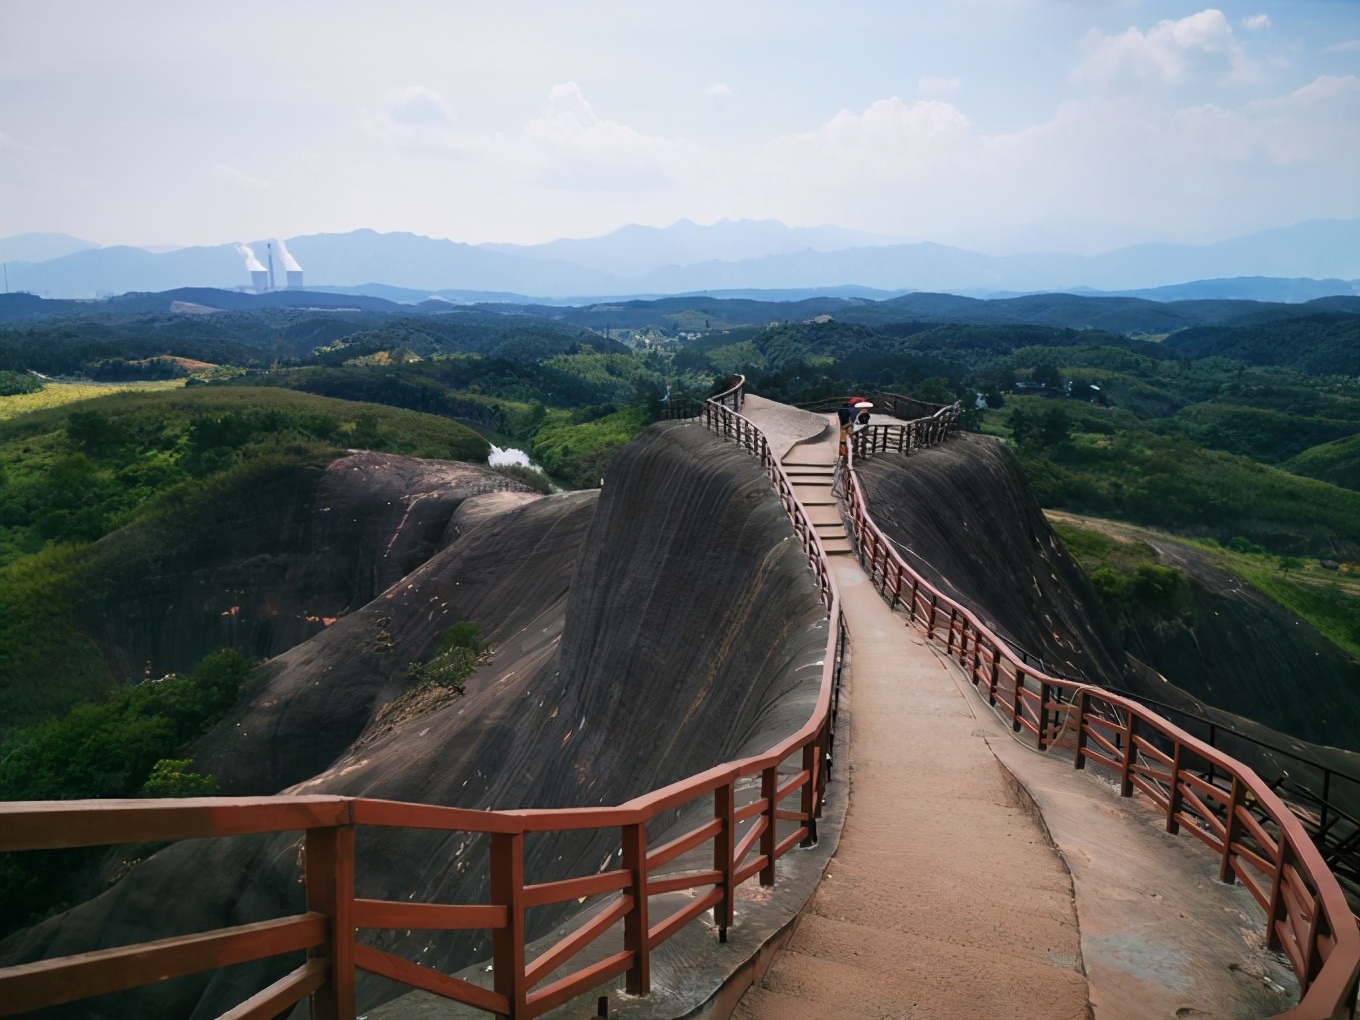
747	840
1198	788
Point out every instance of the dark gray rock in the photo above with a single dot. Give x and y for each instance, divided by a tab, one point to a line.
672	626
261	568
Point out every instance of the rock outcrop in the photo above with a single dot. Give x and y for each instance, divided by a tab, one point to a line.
963	515
644	633
263	566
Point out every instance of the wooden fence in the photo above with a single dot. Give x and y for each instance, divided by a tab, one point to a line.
1198	789
746	841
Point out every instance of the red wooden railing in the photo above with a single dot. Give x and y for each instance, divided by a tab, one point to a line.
746	839
1198	789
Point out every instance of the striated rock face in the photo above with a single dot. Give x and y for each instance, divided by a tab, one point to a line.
1235	649
969	522
643	633
964	516
267	565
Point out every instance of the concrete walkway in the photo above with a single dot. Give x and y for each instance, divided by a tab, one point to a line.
945	898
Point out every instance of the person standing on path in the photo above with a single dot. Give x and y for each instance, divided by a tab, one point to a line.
846	414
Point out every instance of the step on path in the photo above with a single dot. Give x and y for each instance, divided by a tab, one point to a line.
946	897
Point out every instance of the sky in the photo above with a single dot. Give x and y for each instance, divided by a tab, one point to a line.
999	125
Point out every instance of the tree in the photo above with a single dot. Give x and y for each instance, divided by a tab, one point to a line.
1055	428
1048	377
171	777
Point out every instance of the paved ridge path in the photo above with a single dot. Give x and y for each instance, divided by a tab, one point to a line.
946	897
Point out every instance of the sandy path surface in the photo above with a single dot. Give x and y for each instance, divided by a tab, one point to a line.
945	898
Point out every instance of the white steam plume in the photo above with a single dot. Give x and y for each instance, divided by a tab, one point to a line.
253	264
290	264
508	457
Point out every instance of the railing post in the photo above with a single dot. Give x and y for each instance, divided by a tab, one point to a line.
808	804
329	873
949	636
724	846
769	789
1126	768
1041	736
915	585
1080	701
1018	700
1276	911
1326	803
995	679
930	622
1225	871
507	944
1173	795
636	922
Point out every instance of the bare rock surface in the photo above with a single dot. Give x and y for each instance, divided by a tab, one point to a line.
963	515
663	625
784	426
1287	675
1160	935
264	568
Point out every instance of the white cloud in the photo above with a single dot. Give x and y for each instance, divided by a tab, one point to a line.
923	169
890	130
719	95
1168	52
567	145
416	105
1346	46
14	145
1257	21
930	84
230	174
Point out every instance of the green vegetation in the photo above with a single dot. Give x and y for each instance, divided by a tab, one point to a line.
457	654
1127	575
46	663
127	746
75	472
149	466
12	384
1130	580
1337	462
1113	467
55	394
579	450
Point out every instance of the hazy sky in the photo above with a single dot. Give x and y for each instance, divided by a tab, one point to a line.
998	125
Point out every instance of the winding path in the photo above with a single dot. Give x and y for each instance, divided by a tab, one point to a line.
908	920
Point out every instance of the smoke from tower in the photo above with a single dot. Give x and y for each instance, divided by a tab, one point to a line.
292	270
259	276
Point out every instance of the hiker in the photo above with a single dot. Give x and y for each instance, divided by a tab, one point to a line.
846	414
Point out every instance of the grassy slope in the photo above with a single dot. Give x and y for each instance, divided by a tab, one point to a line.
1328	600
1115	466
1337	462
151	487
55	394
172	410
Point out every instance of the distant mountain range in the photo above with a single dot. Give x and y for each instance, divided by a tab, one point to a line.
1128	315
1301	262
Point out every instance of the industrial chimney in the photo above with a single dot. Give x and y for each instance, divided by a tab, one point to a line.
291	269
259	276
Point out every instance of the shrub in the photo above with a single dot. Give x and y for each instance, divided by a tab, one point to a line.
170	777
